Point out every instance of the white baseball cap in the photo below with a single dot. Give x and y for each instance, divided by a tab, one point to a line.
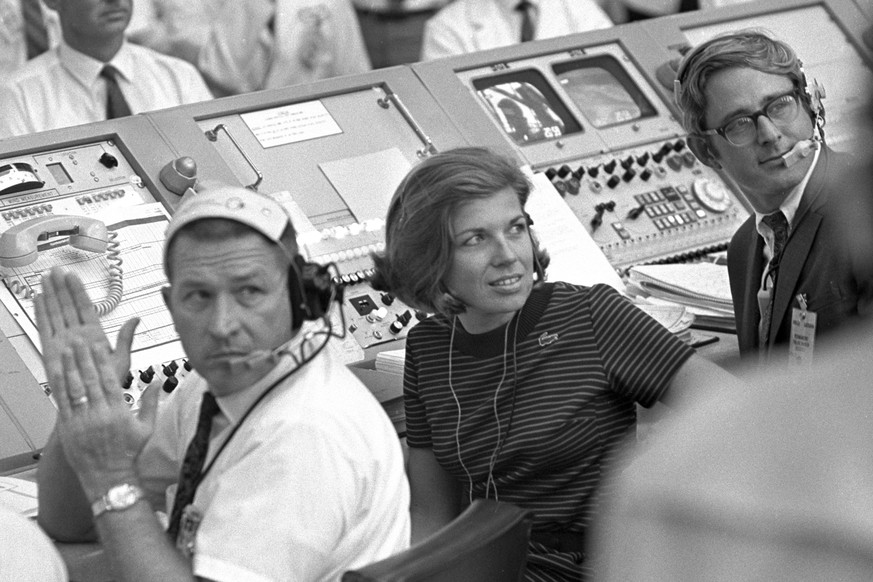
236	203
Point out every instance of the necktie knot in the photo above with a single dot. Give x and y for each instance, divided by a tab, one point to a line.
109	72
779	225
208	408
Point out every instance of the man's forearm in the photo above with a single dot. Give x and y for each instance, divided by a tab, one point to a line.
138	548
64	511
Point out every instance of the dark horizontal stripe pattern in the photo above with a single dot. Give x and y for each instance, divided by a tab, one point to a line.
575	401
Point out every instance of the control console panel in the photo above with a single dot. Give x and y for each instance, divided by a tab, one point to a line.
638	202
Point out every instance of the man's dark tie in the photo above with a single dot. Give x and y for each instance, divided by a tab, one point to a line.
116	105
195	456
35	33
779	225
526	8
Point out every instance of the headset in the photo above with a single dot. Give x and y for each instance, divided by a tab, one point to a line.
311	289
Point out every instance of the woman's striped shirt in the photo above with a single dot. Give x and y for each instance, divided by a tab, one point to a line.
573	362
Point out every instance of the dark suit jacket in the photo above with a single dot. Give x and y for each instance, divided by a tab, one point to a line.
817	260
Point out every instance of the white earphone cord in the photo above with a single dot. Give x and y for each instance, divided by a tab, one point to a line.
493	460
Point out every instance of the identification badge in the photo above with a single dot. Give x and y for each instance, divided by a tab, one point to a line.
802	342
188	526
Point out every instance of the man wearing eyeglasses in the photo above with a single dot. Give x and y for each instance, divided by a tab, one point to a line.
751	113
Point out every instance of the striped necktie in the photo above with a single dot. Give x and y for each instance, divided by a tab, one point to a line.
116	104
779	225
195	457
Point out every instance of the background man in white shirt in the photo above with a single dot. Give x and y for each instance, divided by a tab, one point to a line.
70	84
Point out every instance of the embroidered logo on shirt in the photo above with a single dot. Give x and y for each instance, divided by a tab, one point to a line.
547	338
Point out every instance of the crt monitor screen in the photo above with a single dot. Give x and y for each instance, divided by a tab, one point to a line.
603	91
526	106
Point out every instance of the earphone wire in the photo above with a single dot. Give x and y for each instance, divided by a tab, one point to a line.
458	404
501	440
300	360
489	482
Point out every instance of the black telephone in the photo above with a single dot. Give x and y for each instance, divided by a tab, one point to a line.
18	247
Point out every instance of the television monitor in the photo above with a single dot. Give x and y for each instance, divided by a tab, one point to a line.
525	106
603	91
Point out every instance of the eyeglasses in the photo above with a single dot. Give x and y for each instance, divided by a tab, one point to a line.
744	130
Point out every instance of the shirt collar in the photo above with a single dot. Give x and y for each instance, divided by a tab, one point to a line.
492	343
790	204
86	70
235	405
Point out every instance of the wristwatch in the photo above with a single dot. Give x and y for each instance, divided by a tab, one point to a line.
118	498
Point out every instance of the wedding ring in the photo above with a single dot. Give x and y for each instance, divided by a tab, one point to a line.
79	401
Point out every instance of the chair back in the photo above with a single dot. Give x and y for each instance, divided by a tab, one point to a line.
486	543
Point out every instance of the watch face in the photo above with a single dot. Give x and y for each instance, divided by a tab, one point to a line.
121	497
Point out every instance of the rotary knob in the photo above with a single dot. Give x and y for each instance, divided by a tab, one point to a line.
712	195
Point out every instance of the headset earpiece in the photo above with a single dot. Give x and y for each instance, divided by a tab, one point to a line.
538	267
812	94
699	146
311	290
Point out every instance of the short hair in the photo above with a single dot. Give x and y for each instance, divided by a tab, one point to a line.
215	229
752	49
418	242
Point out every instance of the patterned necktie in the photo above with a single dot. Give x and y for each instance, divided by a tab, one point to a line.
116	105
195	456
35	33
525	8
779	225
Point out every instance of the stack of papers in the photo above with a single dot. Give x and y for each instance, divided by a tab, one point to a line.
702	288
390	361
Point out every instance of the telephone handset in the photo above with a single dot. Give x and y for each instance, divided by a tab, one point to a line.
18	248
18	244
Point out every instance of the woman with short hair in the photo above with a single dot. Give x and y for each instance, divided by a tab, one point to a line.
516	389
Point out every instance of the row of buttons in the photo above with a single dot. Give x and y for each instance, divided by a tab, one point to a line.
349	254
573	185
687	222
674	220
609	167
380	313
29	211
99	196
341	232
353	278
172	373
